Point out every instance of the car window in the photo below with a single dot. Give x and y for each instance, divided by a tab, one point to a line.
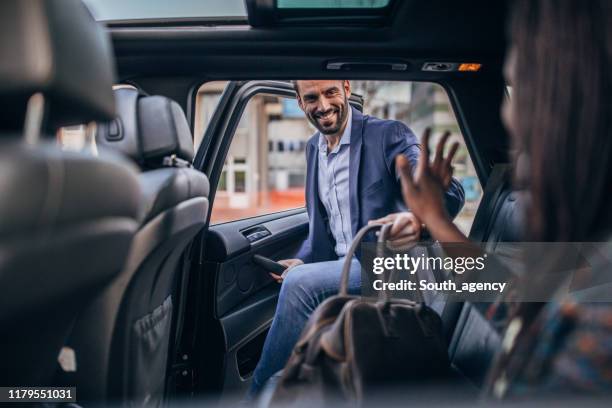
112	10
353	4
265	169
421	105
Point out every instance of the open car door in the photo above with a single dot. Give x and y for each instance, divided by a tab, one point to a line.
253	153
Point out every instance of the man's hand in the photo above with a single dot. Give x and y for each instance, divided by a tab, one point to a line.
289	263
405	231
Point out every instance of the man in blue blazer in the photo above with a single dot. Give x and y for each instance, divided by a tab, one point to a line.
350	180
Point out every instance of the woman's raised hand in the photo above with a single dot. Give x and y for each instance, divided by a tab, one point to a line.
423	192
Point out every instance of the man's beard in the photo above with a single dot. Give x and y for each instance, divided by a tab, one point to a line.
341	114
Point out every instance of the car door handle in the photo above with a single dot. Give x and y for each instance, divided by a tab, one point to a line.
256	233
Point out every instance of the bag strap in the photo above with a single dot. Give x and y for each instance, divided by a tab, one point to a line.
346	268
387	276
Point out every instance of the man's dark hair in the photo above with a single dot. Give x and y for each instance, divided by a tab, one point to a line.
295	86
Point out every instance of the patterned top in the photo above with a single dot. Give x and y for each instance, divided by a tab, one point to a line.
567	348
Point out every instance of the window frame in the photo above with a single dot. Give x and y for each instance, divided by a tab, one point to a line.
237	113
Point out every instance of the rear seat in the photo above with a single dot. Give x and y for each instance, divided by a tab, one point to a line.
473	338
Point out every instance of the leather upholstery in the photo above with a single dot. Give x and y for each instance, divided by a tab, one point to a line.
147	129
164	129
168	187
474	344
475	340
67	219
123	355
62	239
54	47
44	188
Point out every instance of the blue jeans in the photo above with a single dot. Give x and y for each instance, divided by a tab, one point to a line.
304	288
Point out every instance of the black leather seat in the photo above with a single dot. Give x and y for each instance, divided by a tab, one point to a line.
66	219
122	341
475	337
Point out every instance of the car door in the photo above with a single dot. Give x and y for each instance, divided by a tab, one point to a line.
254	153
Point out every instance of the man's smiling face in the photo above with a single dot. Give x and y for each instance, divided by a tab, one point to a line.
325	104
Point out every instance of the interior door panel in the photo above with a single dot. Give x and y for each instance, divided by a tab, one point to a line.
245	295
238	277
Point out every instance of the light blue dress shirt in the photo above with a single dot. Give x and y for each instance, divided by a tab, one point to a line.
333	173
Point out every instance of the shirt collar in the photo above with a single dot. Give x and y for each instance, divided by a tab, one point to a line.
346	135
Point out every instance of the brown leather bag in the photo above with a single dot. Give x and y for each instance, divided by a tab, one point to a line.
353	344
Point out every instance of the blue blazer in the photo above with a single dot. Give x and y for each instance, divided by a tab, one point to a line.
374	186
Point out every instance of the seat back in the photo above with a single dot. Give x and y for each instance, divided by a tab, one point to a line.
475	337
66	219
62	239
137	311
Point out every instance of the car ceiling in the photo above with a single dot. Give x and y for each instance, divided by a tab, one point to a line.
418	31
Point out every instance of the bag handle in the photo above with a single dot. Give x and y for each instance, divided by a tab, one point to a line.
387	277
346	268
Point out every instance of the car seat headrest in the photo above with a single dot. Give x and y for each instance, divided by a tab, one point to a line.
56	48
152	130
